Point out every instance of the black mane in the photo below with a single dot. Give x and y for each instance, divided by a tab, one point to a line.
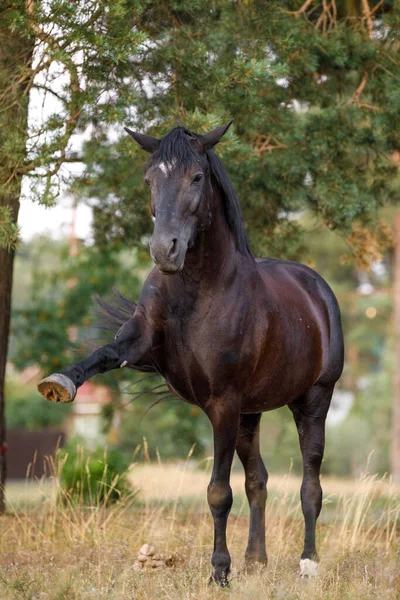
175	147
233	212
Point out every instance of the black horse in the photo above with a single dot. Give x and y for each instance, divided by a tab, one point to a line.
235	335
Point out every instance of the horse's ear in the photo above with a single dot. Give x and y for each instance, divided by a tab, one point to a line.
213	137
148	143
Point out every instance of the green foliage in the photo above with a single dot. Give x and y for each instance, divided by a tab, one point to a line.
81	53
279	442
25	409
170	428
8	229
313	96
348	447
93	478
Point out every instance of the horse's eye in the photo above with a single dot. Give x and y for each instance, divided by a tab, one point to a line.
146	181
197	178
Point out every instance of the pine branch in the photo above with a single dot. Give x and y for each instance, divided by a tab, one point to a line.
301	10
9	231
368	18
355	99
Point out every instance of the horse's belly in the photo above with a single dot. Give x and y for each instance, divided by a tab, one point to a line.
267	399
280	380
269	362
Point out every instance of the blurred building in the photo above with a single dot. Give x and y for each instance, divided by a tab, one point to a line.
86	420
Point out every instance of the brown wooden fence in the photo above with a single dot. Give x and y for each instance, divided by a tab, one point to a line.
31	448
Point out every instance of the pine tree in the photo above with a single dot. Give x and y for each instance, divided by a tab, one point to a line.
313	91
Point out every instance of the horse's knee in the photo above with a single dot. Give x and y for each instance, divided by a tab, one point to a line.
256	485
256	492
313	457
219	496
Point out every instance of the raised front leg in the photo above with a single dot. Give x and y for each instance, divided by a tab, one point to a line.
128	347
224	417
309	413
248	449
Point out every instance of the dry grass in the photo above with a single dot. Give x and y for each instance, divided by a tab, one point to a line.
55	552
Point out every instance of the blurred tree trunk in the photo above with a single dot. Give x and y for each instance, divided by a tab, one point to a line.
16	53
395	449
6	272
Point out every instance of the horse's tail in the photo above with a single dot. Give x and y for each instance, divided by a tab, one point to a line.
113	312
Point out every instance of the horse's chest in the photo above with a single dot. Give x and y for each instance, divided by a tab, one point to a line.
202	356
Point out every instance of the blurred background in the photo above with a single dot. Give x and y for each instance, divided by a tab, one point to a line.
314	153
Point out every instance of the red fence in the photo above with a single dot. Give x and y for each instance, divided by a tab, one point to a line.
31	448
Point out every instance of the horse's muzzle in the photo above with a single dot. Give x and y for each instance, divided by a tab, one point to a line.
168	253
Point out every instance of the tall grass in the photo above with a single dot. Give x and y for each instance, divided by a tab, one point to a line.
57	550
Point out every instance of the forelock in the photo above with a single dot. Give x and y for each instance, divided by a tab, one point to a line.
175	151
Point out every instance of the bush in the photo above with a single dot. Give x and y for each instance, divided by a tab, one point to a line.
93	478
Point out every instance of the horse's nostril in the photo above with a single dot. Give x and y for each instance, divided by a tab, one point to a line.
173	247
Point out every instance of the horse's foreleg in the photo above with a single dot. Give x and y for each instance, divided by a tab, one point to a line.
248	449
225	422
61	387
309	414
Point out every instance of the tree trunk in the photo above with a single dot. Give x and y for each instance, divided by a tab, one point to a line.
16	51
6	274
395	448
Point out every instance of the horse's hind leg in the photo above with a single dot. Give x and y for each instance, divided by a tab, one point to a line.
309	413
248	449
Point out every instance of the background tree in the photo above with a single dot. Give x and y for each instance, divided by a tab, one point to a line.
313	93
15	53
74	53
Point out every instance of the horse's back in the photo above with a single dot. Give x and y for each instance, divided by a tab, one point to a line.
296	280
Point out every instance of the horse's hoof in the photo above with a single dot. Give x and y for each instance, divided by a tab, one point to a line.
221	580
255	565
308	568
57	388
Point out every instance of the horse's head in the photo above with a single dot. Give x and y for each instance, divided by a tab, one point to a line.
179	179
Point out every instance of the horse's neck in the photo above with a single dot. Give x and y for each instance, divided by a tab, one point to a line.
214	255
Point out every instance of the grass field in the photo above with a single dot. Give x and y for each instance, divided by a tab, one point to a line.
49	551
